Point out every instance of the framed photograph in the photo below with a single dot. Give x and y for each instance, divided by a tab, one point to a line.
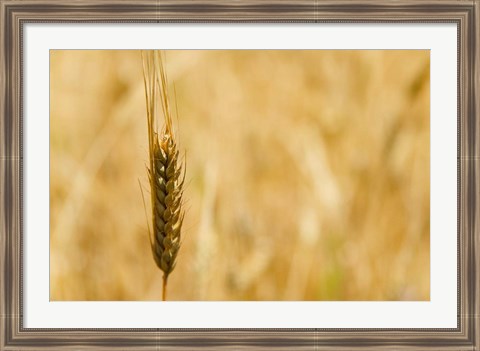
254	175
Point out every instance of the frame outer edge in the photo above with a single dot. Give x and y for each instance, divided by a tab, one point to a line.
4	316
10	177
470	162
476	214
3	84
11	335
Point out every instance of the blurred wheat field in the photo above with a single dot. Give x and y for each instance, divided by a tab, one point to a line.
308	175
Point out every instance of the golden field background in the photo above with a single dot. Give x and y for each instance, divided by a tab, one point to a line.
308	176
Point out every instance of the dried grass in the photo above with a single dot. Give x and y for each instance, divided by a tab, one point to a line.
308	176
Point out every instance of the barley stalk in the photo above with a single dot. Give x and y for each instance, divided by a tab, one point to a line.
164	171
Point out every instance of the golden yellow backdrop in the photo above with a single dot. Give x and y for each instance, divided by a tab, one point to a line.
308	176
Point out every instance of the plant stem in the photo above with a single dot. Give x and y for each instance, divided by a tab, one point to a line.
164	289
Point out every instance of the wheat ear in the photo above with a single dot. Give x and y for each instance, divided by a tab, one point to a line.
164	171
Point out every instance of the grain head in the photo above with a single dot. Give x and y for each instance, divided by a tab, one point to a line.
165	168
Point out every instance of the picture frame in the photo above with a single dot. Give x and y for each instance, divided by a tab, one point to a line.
15	15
